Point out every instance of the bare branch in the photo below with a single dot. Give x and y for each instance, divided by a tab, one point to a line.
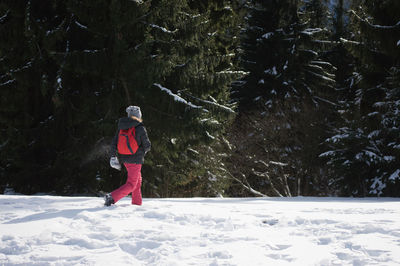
255	192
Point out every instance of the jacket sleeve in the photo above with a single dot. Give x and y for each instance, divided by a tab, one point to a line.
144	139
113	150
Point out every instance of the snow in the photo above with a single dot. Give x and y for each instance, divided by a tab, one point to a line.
239	72
397	25
189	15
59	82
324	63
176	97
267	35
81	25
49	230
215	104
349	41
286	65
312	31
272	71
374	133
395	175
162	28
2	18
321	76
327	154
7	82
209	135
228	8
377	186
389	158
322	99
278	163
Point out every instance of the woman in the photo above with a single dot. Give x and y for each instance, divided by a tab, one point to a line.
132	159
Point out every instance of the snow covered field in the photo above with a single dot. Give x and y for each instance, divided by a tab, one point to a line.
46	230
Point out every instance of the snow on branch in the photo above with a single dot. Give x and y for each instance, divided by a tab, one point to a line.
316	67
226	108
323	63
238	72
309	51
278	163
327	154
267	35
325	100
80	25
271	162
7	82
162	28
395	175
312	31
190	15
348	41
397	25
324	41
3	18
176	97
26	66
272	71
321	76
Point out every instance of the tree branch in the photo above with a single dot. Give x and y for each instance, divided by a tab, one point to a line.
250	189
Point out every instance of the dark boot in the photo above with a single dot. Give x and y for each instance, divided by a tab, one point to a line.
108	200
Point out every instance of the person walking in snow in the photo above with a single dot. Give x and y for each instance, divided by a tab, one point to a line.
129	146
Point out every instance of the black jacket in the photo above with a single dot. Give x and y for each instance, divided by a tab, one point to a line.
141	138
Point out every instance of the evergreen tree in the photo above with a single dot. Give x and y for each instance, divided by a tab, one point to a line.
202	68
70	68
27	85
364	148
344	63
283	101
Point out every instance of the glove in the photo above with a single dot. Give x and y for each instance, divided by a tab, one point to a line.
114	163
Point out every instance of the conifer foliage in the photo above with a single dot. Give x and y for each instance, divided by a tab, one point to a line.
283	100
364	155
70	68
257	97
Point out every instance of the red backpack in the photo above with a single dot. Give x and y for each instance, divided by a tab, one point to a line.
127	144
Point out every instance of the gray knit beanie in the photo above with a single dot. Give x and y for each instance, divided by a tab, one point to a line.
134	111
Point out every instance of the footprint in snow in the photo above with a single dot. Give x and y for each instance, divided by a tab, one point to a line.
270	221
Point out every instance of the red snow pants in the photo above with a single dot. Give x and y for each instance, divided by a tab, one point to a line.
133	184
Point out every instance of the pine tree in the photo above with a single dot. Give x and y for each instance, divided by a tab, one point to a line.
195	98
345	90
283	100
364	154
27	83
82	63
107	67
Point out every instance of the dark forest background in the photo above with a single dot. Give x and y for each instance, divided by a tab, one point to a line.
240	98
